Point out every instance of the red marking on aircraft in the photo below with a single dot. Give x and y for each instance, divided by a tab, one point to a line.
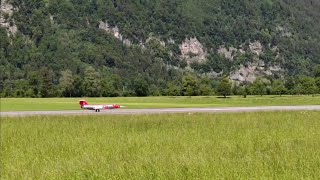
85	105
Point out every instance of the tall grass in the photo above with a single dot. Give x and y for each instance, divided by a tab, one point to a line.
281	145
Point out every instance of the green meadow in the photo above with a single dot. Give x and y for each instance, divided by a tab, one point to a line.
268	145
41	104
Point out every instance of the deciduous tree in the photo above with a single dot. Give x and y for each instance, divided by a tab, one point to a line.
224	88
66	83
92	82
278	87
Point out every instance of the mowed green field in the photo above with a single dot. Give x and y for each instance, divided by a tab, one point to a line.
41	104
268	145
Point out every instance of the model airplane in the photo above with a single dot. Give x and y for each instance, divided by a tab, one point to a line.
84	105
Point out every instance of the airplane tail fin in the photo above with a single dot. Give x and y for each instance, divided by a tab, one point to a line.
83	102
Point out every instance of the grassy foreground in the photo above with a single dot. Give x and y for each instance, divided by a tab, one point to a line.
39	104
282	145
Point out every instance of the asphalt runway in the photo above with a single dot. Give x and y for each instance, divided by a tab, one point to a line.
163	111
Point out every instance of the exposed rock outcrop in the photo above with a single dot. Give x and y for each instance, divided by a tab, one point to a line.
256	48
229	53
6	11
244	74
255	67
115	32
193	51
6	8
250	72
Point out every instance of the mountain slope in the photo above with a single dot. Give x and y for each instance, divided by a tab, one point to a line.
151	44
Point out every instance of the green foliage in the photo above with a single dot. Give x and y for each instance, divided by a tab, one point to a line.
224	87
278	87
64	34
140	87
46	83
108	89
290	85
190	85
306	85
66	83
316	70
174	89
259	86
317	81
92	82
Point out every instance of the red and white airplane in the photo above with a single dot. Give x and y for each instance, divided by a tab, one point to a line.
84	105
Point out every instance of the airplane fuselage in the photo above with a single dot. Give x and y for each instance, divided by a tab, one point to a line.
84	105
97	108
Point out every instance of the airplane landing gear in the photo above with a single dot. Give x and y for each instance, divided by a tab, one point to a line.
97	110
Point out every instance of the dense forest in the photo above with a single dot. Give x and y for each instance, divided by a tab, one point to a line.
60	47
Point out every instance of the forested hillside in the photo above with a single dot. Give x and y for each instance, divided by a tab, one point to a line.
159	47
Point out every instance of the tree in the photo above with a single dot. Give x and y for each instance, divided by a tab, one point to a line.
140	87
174	89
92	82
243	90
205	90
46	83
290	85
316	70
34	82
154	90
297	89
66	83
190	85
224	88
108	88
7	91
259	87
78	89
278	87
308	85
62	34
246	91
318	84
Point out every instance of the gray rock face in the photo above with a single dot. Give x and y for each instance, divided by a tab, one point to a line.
244	74
228	53
258	68
256	47
115	32
193	51
252	71
7	9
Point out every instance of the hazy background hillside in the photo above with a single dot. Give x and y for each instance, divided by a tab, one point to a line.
156	47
